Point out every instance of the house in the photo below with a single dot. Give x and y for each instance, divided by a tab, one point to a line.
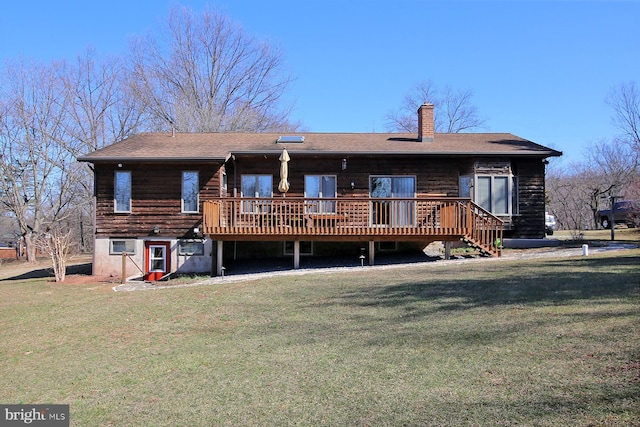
188	202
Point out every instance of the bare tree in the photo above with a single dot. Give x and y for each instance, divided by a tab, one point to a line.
578	191
454	111
100	110
57	244
101	107
611	167
624	101
614	164
37	176
568	198
204	74
619	161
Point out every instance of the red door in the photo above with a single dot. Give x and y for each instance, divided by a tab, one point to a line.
157	260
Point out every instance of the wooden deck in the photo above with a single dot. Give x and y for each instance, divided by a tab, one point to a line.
353	219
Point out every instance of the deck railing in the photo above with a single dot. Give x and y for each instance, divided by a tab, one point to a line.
344	217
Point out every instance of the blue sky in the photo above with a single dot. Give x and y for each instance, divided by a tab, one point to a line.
540	70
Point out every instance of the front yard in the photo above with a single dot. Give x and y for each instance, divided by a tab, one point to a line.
551	341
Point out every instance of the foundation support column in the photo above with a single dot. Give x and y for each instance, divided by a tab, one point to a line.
372	250
447	249
296	254
219	258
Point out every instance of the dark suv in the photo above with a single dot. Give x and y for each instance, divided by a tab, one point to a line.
625	212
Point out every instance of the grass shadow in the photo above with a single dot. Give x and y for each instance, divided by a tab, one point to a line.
557	282
43	273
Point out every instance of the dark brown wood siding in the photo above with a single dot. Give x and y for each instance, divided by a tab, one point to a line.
436	175
529	223
156	199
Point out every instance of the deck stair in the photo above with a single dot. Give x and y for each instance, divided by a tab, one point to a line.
485	250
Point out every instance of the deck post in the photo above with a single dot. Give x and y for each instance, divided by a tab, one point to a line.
447	249
219	258
123	272
296	254
372	250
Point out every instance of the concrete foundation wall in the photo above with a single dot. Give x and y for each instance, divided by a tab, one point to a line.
105	264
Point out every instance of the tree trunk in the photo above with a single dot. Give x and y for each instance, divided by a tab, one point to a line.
30	247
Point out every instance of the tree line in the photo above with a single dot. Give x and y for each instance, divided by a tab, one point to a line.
610	167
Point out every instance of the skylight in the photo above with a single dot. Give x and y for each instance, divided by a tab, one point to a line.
291	139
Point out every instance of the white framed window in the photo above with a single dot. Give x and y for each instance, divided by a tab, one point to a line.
122	192
157	258
120	246
191	247
190	186
320	187
256	186
497	194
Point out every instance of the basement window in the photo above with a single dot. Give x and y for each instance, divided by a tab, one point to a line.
191	247
306	248
118	247
387	246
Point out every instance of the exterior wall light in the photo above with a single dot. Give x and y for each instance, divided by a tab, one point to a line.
156	229
344	164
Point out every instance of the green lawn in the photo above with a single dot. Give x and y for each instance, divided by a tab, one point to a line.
507	342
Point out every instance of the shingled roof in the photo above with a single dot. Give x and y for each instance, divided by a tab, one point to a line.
220	146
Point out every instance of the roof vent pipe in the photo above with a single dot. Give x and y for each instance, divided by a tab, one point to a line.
426	126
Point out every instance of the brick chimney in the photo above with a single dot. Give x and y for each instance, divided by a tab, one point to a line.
426	127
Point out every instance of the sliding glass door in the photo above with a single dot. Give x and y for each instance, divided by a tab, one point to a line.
393	213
